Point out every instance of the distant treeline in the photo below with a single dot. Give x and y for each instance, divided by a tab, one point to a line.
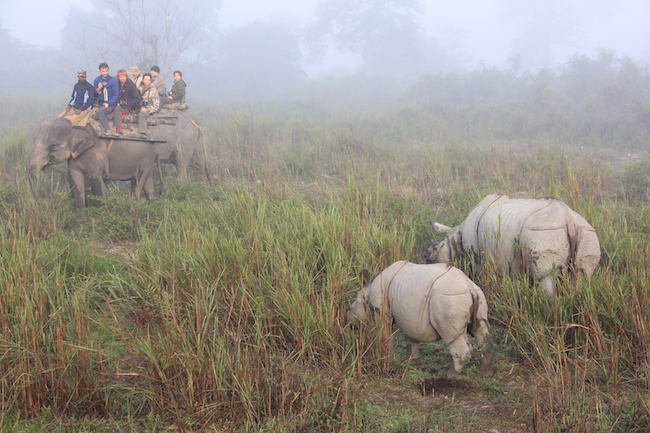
600	100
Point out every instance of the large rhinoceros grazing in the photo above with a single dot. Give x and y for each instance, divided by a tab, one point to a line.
429	303
539	236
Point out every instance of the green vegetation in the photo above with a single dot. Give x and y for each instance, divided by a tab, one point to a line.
221	307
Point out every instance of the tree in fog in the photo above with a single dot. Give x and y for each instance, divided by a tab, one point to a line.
384	33
549	31
143	33
26	67
10	50
257	57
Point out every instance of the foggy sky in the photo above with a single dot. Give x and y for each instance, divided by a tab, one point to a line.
484	30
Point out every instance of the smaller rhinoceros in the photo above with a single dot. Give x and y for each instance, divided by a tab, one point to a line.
429	303
539	236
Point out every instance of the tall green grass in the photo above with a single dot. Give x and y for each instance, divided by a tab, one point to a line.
224	305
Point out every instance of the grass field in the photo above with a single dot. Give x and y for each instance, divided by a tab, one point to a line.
220	307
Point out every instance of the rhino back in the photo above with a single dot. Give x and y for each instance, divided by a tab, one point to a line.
500	226
428	302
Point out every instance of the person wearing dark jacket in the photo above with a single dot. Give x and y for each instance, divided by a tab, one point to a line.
178	90
129	98
107	93
79	107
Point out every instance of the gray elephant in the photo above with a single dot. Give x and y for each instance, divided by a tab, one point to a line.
182	142
99	158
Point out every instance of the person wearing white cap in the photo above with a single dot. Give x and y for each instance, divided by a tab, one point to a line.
81	103
136	76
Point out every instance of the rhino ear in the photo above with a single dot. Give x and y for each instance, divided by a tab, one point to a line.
440	228
80	142
364	276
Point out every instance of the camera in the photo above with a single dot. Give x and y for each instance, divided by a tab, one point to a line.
144	103
104	83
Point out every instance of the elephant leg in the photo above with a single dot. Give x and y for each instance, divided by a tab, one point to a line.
138	183
413	350
181	166
196	164
77	187
180	169
461	352
149	190
97	187
143	182
136	187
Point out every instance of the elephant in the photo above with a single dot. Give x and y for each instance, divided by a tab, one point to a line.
99	158
182	143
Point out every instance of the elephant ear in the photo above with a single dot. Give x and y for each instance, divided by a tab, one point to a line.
80	142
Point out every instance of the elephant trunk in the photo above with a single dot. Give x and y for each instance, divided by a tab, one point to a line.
38	161
51	145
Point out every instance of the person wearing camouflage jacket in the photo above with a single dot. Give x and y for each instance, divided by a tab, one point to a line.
150	103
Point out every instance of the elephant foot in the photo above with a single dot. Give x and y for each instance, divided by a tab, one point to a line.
415	361
80	217
452	374
92	202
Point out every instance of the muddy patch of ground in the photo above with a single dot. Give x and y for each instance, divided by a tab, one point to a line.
443	386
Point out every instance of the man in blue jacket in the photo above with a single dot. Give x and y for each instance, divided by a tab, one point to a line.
107	95
79	107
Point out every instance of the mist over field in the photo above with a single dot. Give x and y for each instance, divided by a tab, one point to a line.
249	49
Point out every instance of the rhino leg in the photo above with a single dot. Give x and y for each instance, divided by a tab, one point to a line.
548	282
483	341
588	252
461	352
413	349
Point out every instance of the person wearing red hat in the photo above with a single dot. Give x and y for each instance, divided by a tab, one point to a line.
129	99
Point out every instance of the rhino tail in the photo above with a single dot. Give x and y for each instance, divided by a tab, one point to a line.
479	310
573	238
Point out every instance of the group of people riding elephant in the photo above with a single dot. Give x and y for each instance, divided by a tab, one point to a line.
108	155
144	94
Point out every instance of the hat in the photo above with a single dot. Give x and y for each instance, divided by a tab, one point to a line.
155	69
81	73
134	71
121	72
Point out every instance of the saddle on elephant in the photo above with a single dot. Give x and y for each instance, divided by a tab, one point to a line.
128	127
75	119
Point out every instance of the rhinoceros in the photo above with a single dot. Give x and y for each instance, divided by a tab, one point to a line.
539	236
429	303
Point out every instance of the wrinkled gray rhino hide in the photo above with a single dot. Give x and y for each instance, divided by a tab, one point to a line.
539	236
429	303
